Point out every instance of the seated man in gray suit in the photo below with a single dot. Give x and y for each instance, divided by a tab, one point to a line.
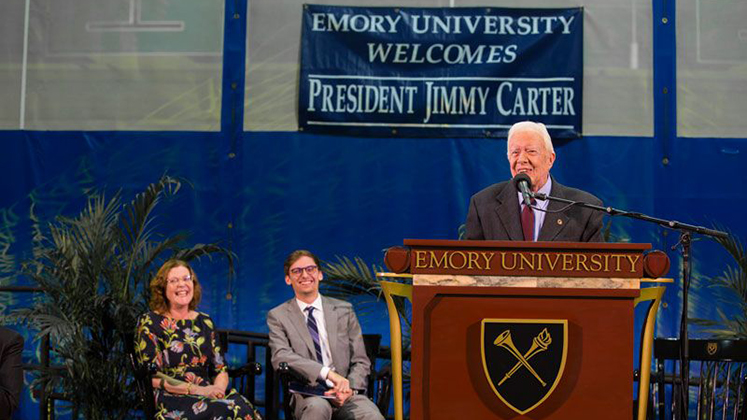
495	213
320	338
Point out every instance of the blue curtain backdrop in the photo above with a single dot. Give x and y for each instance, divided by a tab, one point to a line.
264	194
354	197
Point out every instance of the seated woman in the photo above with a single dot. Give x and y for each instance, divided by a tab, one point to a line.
192	379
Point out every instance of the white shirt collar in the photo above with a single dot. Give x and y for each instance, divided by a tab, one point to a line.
317	304
546	189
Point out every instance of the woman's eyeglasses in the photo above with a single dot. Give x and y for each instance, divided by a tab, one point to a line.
177	280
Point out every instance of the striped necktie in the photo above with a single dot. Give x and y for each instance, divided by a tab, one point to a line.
314	331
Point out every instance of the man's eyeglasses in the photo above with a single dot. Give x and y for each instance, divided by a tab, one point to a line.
309	269
177	280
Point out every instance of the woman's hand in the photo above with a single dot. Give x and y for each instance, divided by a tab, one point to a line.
210	391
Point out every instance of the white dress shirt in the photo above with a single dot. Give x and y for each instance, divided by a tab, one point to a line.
323	337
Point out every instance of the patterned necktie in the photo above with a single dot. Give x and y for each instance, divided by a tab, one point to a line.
527	222
314	331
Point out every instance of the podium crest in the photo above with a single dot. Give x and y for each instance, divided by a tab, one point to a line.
524	359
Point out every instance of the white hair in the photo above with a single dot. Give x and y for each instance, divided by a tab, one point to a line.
536	127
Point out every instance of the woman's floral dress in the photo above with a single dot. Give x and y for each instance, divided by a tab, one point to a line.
187	350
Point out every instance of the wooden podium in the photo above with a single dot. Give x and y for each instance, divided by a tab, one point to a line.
523	330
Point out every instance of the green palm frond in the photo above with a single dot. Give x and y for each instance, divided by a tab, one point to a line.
346	278
733	280
136	221
733	245
55	325
207	250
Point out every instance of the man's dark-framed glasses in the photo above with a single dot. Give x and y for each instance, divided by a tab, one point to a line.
309	269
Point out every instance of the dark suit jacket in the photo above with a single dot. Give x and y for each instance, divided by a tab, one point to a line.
494	214
11	371
291	342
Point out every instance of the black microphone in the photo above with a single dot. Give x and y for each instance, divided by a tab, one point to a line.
524	184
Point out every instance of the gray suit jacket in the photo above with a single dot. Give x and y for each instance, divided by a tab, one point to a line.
494	214
291	342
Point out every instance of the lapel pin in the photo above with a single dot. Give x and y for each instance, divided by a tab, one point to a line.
560	222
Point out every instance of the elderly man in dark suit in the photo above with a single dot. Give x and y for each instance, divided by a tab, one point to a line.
11	371
497	213
320	338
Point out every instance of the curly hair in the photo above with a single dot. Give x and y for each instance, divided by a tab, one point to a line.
158	301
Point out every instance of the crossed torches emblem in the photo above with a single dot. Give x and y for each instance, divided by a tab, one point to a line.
540	343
